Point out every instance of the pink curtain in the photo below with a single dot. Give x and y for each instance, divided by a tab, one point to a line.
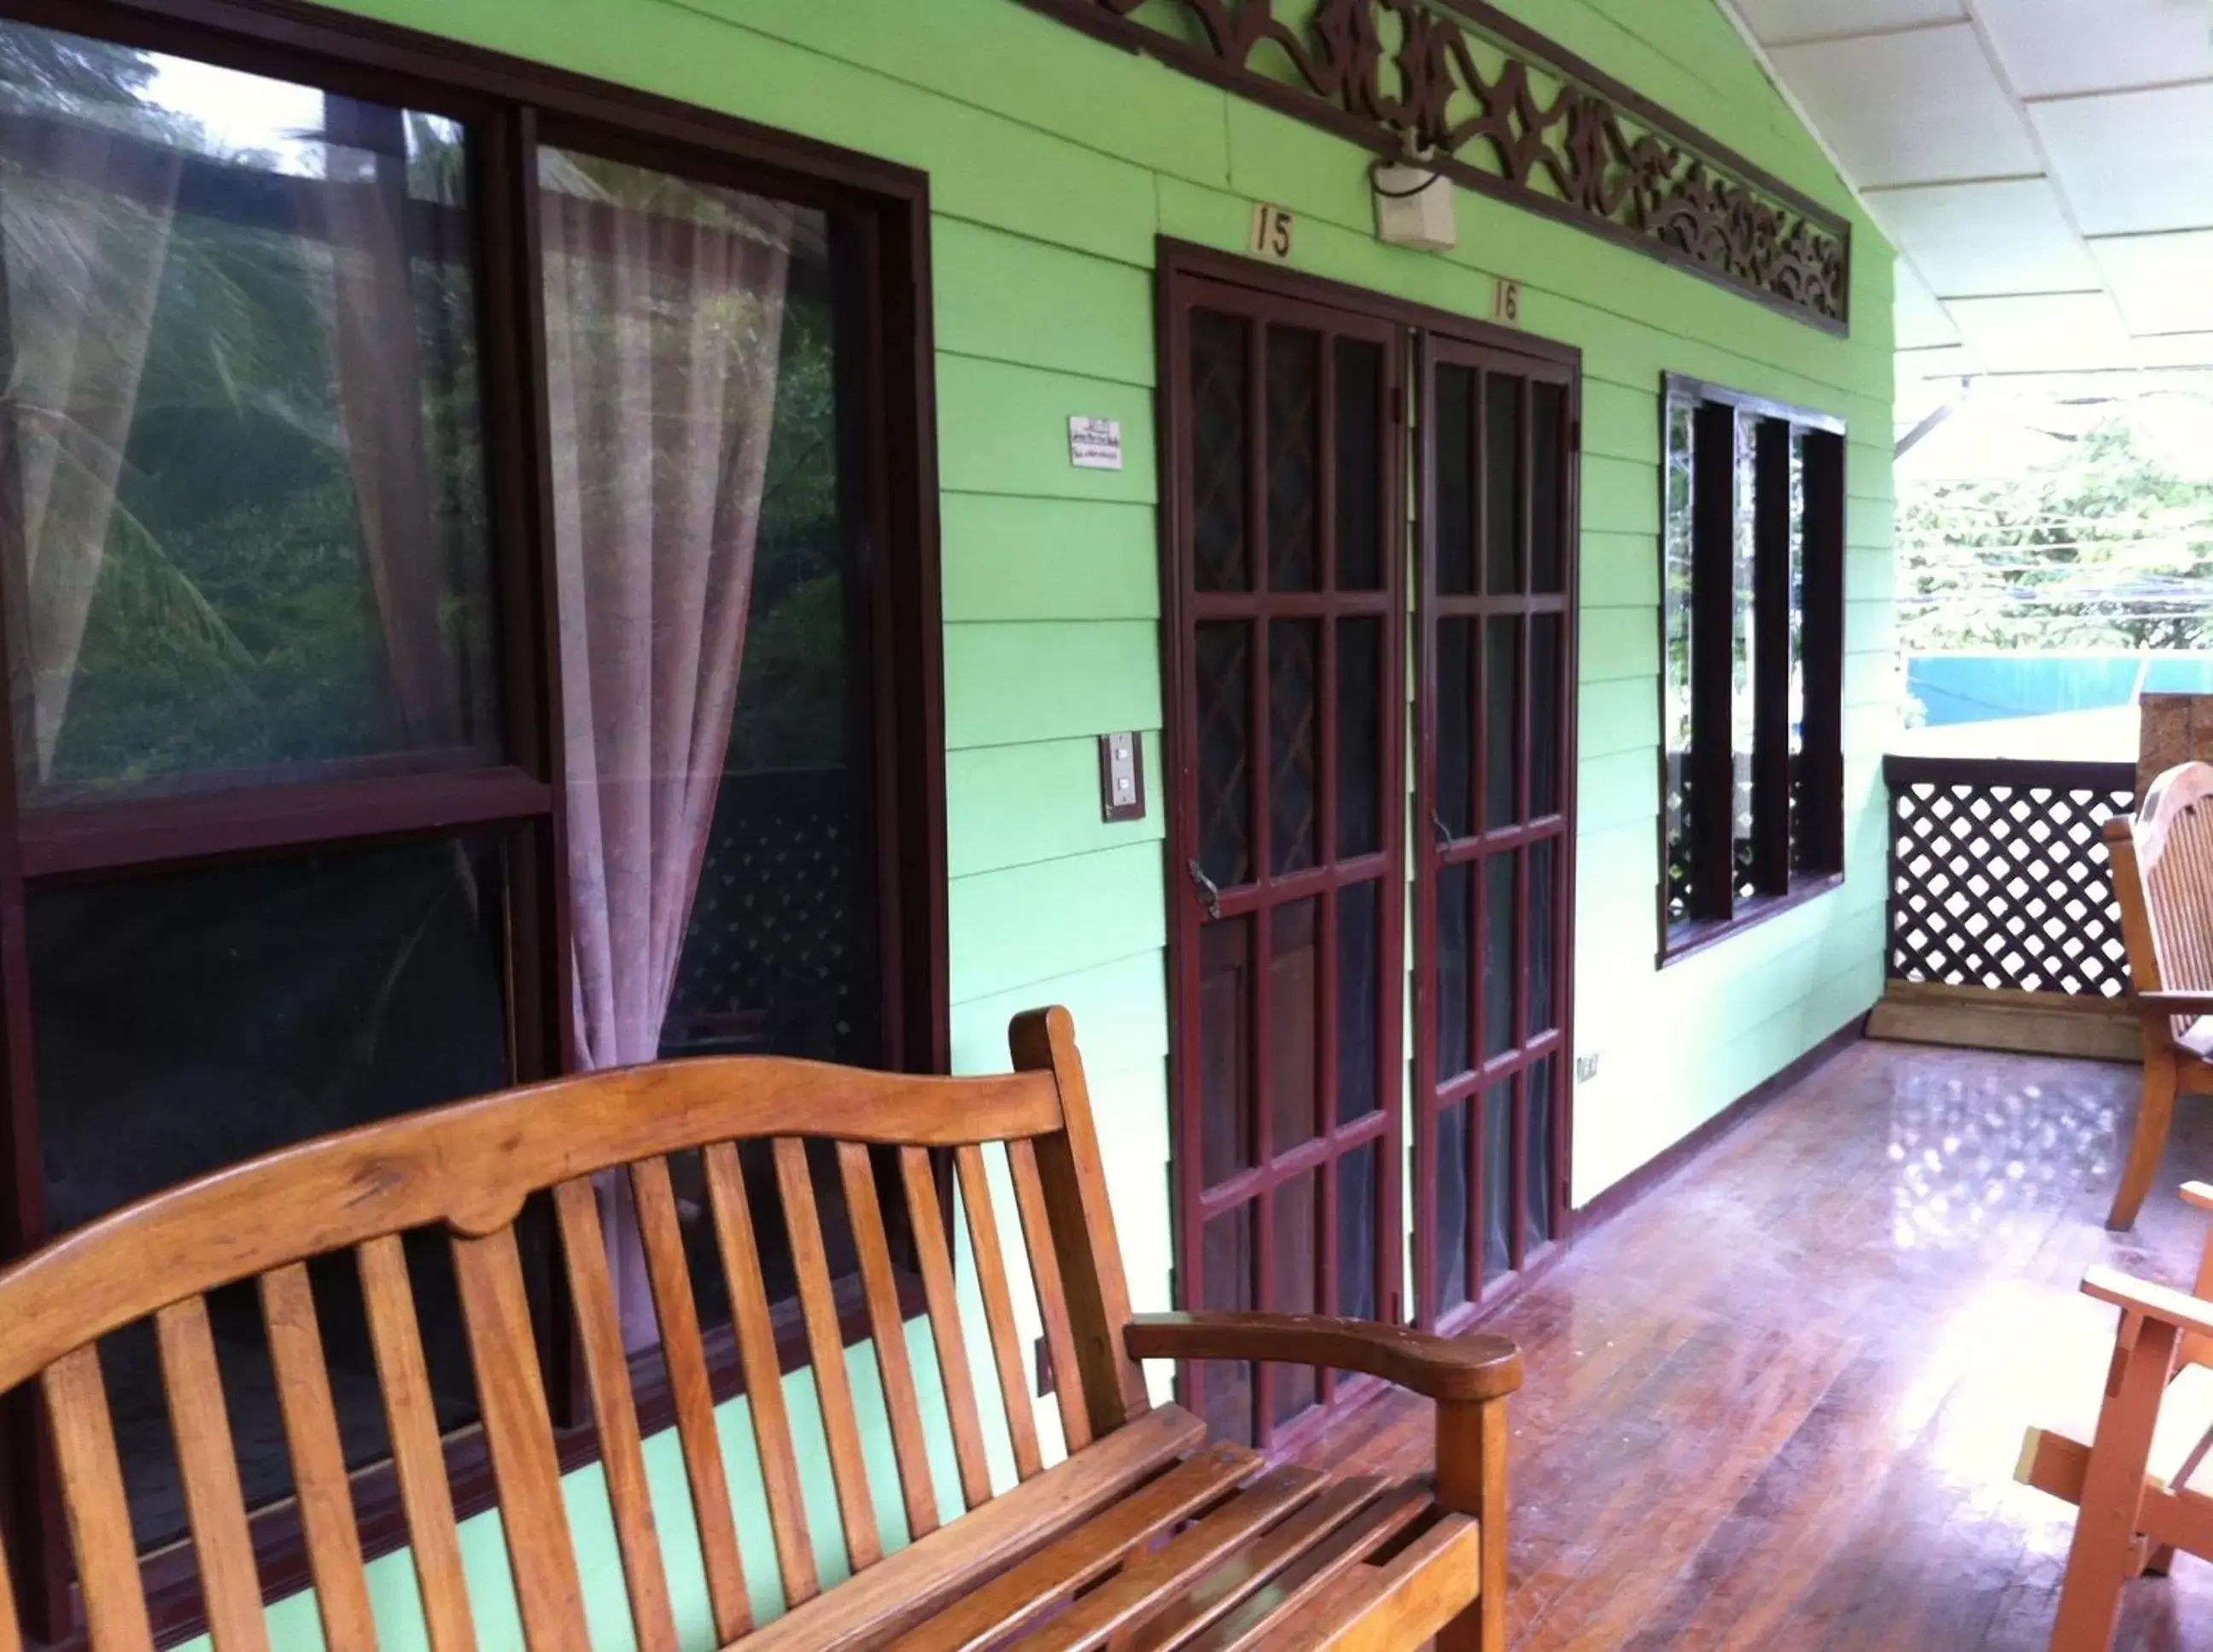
664	309
362	209
86	234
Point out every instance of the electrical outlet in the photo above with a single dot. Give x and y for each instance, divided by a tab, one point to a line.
1586	1067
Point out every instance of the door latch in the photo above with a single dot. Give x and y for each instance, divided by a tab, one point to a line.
1207	889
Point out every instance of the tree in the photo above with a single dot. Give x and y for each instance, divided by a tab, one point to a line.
2103	548
69	72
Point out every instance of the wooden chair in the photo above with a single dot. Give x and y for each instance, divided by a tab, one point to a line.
2142	1485
2162	863
1147	1534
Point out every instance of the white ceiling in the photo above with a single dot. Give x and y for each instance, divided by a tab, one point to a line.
2045	167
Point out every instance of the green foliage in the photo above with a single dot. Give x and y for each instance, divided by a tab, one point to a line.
234	624
250	637
2105	548
67	70
794	694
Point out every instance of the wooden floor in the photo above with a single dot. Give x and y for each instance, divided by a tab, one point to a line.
1777	1404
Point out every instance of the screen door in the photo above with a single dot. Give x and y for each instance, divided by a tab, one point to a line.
1495	716
1287	591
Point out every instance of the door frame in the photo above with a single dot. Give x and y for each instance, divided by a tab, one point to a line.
1176	263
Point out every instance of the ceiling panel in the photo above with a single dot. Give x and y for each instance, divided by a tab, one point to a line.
2047	47
1922	106
1974	240
2163	283
1944	362
2176	350
1919	319
2057	331
1777	21
2044	167
2133	162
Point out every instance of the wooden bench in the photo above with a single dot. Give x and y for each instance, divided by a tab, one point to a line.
2162	861
1147	1534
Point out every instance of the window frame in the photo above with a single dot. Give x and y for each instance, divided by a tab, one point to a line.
1714	511
505	103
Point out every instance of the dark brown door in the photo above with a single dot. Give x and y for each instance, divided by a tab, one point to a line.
1286	633
1494	716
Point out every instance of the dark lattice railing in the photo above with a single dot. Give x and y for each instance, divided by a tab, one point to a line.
1998	875
779	952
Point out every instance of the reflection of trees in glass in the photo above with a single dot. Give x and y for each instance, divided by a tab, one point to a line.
1676	592
1744	622
233	624
792	695
1675	687
1748	691
52	71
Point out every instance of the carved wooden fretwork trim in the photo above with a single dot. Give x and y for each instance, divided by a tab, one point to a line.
1500	109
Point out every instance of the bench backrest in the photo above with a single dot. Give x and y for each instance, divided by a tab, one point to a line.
467	1169
2162	861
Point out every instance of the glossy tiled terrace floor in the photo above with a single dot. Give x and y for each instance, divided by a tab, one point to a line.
1777	1404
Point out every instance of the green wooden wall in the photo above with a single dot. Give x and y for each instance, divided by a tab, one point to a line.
1055	161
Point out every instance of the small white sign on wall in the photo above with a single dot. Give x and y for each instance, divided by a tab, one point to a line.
1095	444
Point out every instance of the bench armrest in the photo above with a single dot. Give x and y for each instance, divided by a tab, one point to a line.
1474	1367
2175	1004
2163	1302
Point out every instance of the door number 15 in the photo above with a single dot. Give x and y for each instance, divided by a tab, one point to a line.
1271	231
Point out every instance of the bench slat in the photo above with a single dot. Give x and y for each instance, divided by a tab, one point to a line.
984	1614
534	1516
614	1410
1143	1585
764	1371
998	1309
927	1576
207	1462
1073	1179
692	1394
99	1514
856	1514
319	1470
1214	1595
418	1458
1263	1614
1052	1296
888	1330
1403	1603
943	1301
